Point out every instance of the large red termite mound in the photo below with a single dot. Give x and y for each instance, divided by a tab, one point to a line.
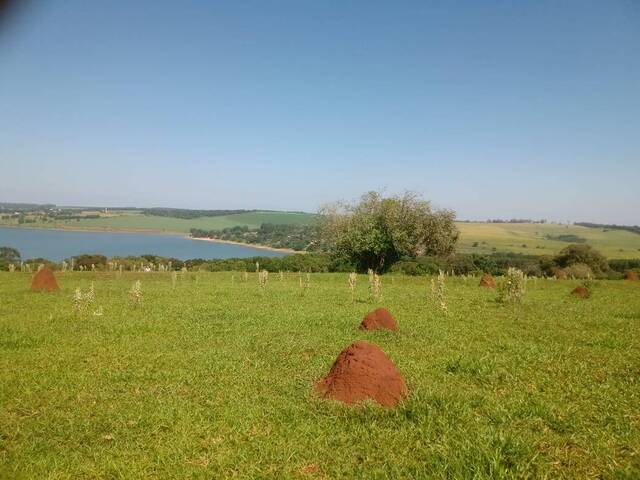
487	281
631	276
363	372
379	318
44	281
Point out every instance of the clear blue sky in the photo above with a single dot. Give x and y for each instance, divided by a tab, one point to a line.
492	108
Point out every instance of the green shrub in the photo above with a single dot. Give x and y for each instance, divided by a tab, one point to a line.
576	270
582	254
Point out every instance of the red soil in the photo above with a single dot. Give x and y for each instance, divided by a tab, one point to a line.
631	276
580	291
363	372
487	281
379	318
44	281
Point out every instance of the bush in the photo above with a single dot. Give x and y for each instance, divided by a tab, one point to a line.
87	260
582	254
512	288
577	270
8	256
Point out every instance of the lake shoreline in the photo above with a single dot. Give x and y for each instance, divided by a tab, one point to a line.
98	230
250	245
154	232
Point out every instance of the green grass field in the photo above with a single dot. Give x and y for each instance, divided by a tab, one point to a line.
529	238
137	221
214	380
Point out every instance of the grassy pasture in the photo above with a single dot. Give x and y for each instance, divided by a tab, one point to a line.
214	380
138	221
530	238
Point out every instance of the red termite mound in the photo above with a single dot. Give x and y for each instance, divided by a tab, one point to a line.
631	276
363	372
44	281
487	281
580	291
379	318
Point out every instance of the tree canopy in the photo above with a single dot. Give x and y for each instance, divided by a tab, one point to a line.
582	254
378	231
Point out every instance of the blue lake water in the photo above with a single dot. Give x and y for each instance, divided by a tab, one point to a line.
57	245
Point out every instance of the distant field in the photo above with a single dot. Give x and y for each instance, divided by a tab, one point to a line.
137	221
531	239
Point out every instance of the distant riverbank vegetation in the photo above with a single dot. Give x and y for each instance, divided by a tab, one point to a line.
569	264
291	236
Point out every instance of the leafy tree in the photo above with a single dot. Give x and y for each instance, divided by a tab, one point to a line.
8	255
584	254
378	231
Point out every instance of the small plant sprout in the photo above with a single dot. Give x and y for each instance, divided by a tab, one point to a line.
91	294
513	287
370	275
263	279
377	287
353	278
136	293
82	301
174	279
78	303
304	283
440	292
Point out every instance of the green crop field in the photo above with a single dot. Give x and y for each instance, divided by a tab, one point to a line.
214	379
137	221
531	239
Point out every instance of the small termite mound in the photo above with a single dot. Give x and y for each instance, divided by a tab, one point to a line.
487	281
380	318
631	276
580	291
363	372
44	281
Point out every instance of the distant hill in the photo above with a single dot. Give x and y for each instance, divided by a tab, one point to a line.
544	238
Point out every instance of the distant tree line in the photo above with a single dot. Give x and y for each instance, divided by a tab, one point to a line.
576	261
569	238
500	220
189	214
628	228
25	207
